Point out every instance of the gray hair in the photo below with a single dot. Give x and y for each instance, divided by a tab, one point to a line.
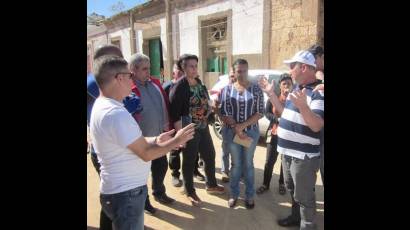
106	67
136	59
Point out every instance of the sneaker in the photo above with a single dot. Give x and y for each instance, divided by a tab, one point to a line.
176	182
195	201
149	208
225	177
199	176
249	204
289	222
215	190
164	199
232	202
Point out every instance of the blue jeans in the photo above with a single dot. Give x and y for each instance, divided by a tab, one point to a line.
126	209
225	150
242	159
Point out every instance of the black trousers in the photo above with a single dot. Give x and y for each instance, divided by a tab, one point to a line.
159	168
105	221
202	143
175	163
271	157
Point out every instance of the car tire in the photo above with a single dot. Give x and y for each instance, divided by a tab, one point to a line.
217	127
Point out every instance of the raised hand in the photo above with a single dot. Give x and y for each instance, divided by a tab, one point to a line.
319	87
265	86
299	98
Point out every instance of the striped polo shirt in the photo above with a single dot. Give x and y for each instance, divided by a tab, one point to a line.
242	106
295	138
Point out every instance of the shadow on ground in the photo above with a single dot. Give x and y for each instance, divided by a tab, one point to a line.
269	206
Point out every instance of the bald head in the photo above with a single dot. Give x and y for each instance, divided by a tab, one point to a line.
107	50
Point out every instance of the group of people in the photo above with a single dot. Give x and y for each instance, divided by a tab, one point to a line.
134	121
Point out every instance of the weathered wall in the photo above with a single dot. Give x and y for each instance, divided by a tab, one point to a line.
294	27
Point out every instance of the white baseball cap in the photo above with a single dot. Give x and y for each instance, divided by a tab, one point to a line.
302	56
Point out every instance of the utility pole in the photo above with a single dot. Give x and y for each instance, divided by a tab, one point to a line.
132	34
170	54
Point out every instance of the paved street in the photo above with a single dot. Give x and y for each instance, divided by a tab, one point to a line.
214	213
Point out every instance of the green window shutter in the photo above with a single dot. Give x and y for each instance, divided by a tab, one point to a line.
155	56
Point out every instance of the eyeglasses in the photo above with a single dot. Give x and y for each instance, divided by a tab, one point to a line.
293	64
130	74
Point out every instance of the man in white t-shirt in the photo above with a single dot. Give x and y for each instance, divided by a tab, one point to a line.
124	154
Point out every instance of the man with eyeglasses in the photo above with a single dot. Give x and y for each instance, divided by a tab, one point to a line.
153	120
92	95
124	153
302	118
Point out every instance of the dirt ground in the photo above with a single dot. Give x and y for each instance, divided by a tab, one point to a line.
214	212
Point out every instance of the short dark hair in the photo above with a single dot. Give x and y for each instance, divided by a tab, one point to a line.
107	50
239	61
316	50
106	67
184	58
284	77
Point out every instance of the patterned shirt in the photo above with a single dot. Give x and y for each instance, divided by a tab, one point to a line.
241	106
198	105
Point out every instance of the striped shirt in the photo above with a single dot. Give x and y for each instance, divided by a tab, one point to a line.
295	138
242	106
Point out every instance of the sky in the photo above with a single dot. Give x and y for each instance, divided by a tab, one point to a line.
102	7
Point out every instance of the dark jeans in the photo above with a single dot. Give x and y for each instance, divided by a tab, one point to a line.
105	222
202	143
175	163
126	209
159	168
271	157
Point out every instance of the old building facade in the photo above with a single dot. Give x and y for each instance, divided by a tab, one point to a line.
265	32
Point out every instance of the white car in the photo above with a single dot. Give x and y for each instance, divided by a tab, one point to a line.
254	75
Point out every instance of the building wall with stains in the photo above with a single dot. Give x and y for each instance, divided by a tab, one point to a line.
295	25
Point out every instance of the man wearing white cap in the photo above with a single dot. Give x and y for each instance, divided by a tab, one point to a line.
299	138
